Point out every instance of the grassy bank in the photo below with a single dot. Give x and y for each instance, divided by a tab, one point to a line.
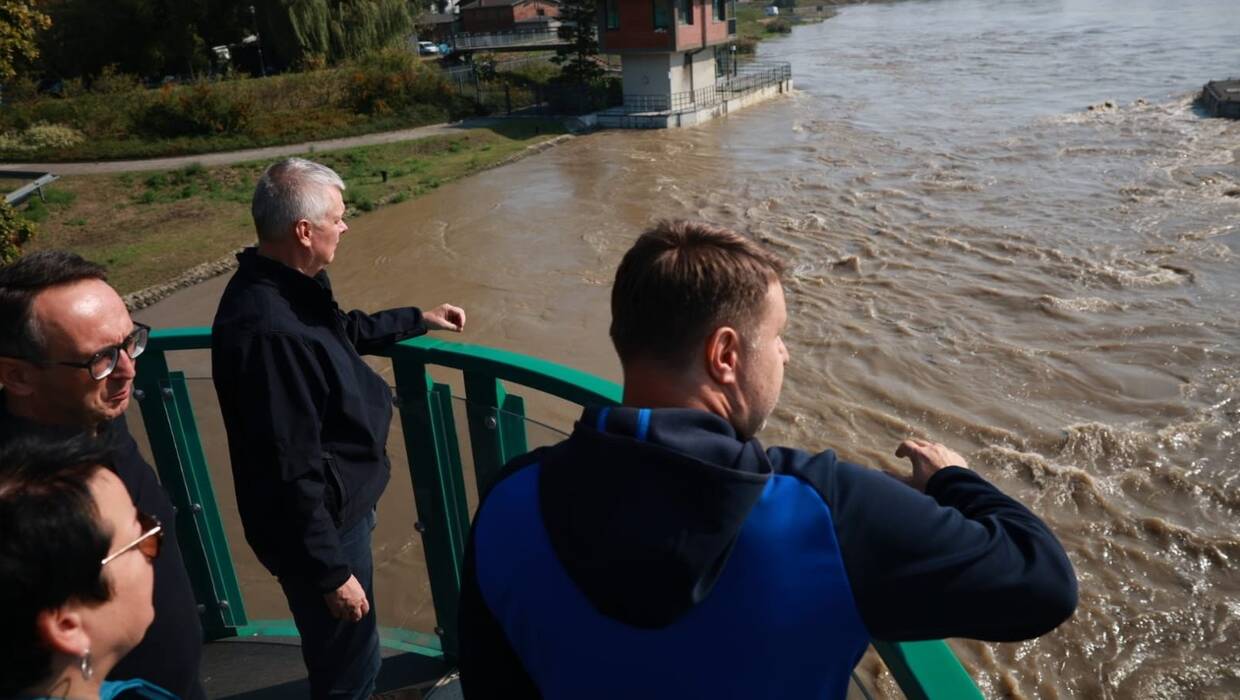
752	24
149	228
117	118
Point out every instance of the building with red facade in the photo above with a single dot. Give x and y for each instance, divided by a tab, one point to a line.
667	47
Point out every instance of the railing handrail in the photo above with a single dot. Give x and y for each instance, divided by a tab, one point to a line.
752	75
923	670
533	372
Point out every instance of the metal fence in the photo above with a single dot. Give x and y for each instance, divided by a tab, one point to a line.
496	431
520	37
739	79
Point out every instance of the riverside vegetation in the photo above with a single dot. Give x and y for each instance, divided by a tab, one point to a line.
119	118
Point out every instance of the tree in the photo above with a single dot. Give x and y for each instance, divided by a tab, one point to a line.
305	31
149	38
20	23
579	58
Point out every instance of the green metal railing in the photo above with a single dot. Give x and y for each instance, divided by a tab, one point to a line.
496	428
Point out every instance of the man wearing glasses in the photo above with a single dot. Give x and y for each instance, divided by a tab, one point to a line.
67	351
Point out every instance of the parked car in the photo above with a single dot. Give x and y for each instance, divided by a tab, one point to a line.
427	48
771	11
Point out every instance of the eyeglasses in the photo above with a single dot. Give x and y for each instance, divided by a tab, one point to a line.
149	542
101	364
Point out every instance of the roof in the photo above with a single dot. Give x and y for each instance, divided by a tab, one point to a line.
477	4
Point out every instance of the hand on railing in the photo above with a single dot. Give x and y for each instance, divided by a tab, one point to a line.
445	317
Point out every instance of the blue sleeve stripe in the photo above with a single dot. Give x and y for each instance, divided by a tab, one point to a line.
601	424
643	423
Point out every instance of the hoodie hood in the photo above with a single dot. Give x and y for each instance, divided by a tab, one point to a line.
644	506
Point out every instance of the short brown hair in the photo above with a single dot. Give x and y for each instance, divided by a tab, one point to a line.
679	282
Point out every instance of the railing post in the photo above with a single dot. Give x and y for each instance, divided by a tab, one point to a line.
177	449
496	426
438	488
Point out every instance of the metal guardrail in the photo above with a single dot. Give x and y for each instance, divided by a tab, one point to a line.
496	428
23	193
744	77
523	37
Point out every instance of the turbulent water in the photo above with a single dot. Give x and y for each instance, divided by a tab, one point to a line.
977	258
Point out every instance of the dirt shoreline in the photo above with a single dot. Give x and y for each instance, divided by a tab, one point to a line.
208	270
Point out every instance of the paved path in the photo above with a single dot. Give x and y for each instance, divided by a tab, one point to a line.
230	157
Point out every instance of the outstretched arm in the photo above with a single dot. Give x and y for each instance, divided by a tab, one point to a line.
960	560
372	333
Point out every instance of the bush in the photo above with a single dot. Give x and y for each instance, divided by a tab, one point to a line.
746	45
199	110
111	81
394	81
779	25
39	137
21	89
15	231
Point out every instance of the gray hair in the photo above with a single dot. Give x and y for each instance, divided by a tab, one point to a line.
289	191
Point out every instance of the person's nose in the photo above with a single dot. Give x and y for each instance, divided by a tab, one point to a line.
126	367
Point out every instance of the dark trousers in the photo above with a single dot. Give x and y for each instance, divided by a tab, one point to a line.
341	657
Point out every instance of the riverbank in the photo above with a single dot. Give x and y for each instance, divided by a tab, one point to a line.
162	231
753	25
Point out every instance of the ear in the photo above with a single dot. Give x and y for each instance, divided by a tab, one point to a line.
17	376
723	355
63	630
301	233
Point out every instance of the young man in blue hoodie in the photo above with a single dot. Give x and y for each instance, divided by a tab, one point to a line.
662	550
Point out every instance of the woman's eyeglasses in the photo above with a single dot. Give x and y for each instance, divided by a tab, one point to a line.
149	542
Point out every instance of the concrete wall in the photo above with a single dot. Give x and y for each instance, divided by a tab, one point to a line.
617	120
647	74
664	74
703	69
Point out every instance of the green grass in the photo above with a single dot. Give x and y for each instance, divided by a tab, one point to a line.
148	228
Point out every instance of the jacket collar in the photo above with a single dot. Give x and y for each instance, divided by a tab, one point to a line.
289	282
694	433
18	425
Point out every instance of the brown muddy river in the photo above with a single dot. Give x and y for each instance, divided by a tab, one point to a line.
976	258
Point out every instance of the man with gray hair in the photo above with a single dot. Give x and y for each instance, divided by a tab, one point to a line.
307	419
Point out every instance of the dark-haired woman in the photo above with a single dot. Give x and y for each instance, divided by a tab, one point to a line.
75	572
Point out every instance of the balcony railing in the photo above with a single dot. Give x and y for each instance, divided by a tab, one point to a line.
496	429
516	37
740	79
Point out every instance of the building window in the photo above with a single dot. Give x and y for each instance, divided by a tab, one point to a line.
720	10
686	11
662	20
542	12
613	14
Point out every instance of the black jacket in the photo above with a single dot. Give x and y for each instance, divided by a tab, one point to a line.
170	653
643	514
307	418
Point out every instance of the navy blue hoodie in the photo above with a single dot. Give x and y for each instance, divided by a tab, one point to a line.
653	552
